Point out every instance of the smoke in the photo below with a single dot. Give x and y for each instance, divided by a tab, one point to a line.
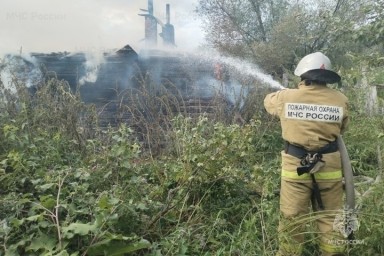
231	77
110	25
73	26
206	75
92	67
232	90
20	69
195	74
24	69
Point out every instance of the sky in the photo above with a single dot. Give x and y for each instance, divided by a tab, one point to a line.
90	25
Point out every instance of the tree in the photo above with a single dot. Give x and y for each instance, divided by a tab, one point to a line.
370	33
276	34
234	25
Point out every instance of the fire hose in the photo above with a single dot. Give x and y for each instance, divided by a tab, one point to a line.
348	223
348	174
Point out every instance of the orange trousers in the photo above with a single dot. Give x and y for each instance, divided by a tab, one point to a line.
295	208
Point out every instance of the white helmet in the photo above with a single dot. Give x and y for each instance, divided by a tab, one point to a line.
316	66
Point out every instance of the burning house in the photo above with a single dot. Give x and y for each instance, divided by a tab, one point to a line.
103	78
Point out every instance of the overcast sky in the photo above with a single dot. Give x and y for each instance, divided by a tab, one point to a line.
89	25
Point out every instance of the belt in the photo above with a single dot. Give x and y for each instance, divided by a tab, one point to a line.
311	162
300	152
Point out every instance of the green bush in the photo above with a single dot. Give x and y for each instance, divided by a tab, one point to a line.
69	187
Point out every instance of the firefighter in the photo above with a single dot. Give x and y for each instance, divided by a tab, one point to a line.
311	117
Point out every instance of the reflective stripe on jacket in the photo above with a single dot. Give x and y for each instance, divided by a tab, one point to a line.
311	116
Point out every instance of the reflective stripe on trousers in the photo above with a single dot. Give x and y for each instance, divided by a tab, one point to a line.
331	175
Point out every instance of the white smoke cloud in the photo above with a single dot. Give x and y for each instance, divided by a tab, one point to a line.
89	25
19	69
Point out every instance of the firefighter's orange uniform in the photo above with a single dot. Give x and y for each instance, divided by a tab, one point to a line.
311	116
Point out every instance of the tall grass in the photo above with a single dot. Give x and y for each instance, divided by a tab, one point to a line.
163	183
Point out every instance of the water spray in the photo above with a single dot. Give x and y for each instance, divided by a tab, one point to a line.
244	67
